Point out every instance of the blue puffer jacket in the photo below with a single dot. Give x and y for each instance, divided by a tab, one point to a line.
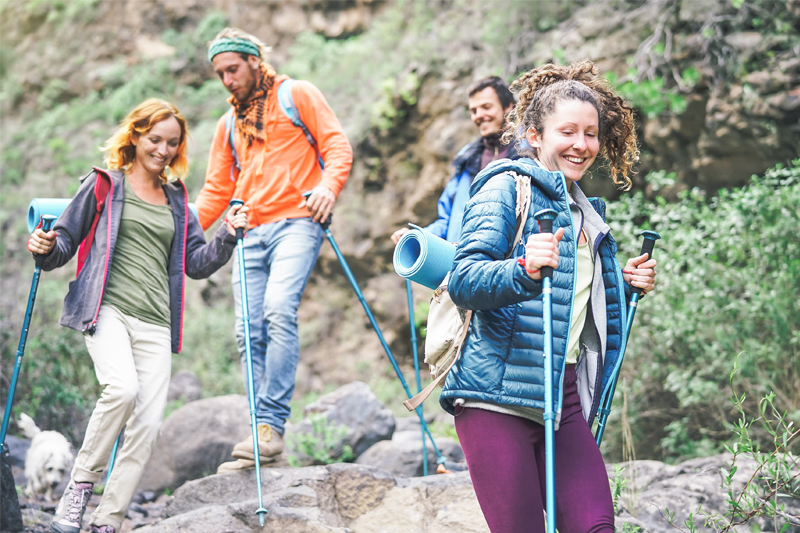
502	361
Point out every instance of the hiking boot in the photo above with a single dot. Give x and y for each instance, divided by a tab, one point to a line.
270	444
276	461
69	513
103	529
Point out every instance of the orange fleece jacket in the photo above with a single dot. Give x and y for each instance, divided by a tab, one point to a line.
288	165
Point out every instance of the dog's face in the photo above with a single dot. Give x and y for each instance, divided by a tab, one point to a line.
56	468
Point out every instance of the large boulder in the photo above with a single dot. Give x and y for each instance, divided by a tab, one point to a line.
335	498
195	439
361	418
184	385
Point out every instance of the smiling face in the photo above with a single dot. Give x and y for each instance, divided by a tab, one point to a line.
569	142
238	75
156	148
487	112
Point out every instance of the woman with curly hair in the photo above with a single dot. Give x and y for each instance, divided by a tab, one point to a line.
567	116
128	297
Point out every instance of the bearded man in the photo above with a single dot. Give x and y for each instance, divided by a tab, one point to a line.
261	156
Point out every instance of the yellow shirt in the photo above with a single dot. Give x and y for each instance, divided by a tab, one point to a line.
583	291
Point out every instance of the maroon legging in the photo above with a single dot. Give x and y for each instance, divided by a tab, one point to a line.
505	455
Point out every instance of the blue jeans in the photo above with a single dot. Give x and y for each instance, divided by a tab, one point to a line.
278	258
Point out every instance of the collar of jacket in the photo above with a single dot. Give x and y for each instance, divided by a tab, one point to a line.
552	184
470	156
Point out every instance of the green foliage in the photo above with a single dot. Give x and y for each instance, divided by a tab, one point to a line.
395	97
56	385
776	471
370	73
729	273
650	96
618	485
61	11
321	446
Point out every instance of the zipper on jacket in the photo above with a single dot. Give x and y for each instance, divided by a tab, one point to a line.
92	327
183	261
572	298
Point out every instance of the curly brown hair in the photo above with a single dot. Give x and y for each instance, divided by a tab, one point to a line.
544	87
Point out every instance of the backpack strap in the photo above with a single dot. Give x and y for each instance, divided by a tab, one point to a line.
522	209
416	401
290	110
101	187
230	123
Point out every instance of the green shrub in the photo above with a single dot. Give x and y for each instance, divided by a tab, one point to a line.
774	481
321	446
729	275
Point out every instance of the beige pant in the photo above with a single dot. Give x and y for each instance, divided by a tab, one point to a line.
132	360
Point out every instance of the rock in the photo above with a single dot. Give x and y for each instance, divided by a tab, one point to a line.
430	504
402	456
335	498
359	489
354	407
184	384
195	439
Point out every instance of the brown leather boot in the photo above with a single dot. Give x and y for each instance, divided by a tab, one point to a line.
270	445
276	461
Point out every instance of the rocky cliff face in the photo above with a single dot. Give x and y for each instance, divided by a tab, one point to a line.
717	93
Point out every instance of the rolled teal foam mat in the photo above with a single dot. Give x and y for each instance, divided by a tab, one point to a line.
45	206
56	206
423	257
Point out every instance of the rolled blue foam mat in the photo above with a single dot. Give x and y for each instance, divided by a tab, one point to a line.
423	257
56	206
45	206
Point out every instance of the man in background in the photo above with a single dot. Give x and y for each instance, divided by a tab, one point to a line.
490	101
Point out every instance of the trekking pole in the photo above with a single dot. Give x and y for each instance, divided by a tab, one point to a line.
349	273
650	238
113	455
545	218
411	320
10	515
251	395
47	224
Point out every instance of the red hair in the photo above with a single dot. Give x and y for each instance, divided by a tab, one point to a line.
120	150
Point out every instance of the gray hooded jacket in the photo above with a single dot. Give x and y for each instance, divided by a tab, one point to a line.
189	252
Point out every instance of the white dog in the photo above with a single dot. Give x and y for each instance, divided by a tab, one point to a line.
48	461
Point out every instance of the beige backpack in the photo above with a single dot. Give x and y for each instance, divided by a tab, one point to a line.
448	324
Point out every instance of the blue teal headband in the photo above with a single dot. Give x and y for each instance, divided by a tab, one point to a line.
232	44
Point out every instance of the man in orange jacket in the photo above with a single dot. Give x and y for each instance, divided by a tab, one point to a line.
264	159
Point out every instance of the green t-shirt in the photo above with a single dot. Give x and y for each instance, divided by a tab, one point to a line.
138	283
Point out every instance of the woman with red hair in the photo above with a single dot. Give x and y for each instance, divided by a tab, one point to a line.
128	297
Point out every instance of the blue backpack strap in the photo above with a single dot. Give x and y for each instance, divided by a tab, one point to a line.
290	110
230	123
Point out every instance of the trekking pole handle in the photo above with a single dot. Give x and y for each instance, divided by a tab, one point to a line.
47	225
239	231
650	238
545	218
